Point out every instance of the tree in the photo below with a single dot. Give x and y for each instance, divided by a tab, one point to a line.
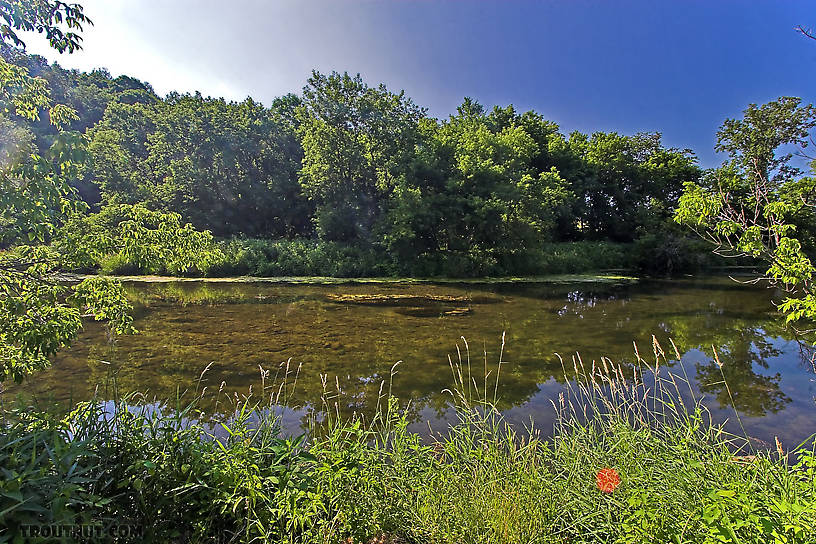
490	169
38	314
626	183
754	203
59	21
87	94
228	167
806	32
358	143
35	320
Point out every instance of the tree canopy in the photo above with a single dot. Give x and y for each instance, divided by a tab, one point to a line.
38	198
348	163
758	203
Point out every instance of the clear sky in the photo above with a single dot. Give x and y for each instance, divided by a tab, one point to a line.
678	67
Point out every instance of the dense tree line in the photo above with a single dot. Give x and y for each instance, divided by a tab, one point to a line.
359	165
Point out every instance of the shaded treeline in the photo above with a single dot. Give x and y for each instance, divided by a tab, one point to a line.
363	167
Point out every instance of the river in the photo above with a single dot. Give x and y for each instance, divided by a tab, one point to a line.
346	337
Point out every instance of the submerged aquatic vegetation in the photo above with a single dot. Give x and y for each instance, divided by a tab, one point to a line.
632	458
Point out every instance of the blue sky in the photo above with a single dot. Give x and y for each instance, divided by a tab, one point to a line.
678	67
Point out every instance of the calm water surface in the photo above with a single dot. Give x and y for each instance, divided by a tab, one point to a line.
351	335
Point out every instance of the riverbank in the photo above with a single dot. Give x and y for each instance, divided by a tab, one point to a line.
603	278
628	462
246	257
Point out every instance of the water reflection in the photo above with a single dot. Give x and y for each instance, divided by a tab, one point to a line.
351	335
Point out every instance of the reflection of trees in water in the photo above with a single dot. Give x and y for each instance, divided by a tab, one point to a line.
742	346
737	322
807	352
752	394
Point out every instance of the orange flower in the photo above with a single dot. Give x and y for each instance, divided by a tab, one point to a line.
607	480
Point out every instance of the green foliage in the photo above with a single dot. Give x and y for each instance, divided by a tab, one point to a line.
228	167
105	300
87	94
47	478
360	165
480	481
755	142
34	322
671	252
20	93
180	478
303	257
38	314
357	146
757	203
59	21
168	475
35	193
738	513
131	237
297	257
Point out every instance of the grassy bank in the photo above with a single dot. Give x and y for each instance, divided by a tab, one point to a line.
315	258
176	478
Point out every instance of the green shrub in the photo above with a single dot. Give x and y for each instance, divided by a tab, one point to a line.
123	238
298	257
181	479
668	253
652	254
45	477
302	257
576	257
169	476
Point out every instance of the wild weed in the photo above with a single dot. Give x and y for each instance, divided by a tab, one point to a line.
633	457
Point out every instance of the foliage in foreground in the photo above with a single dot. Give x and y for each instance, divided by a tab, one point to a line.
758	203
39	203
179	479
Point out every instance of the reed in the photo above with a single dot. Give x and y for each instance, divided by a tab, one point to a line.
633	457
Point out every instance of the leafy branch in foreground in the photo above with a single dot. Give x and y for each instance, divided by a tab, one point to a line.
759	203
20	93
39	314
61	22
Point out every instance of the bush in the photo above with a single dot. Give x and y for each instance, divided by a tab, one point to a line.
666	254
168	476
652	254
47	478
576	257
298	257
123	239
301	257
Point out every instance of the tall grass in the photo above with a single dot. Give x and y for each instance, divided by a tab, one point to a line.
480	480
683	478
